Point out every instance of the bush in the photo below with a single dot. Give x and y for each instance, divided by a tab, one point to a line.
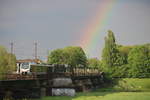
7	62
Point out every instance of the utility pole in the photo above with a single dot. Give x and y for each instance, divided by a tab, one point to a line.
11	46
47	54
35	44
11	53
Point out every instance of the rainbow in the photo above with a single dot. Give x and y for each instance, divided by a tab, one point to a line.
91	32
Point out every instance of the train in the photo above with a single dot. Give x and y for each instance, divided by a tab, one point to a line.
31	67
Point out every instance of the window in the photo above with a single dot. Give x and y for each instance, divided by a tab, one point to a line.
25	65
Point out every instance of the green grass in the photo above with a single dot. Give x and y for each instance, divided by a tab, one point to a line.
105	96
133	84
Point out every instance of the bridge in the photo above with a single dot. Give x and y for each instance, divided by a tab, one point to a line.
41	76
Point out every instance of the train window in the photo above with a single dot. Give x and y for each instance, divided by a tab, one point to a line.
25	65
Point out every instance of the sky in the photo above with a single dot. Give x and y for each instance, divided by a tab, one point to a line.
59	23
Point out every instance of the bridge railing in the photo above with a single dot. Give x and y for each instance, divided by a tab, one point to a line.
79	71
73	71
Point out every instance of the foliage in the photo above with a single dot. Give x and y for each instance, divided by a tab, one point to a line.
117	60
70	55
136	63
125	61
109	51
111	57
7	61
133	84
120	71
124	51
139	62
94	63
76	56
56	57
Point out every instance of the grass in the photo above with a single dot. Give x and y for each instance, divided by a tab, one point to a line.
105	96
133	84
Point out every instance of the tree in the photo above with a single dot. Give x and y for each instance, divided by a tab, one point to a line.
139	62
112	58
110	52
70	55
76	56
124	51
125	61
56	57
11	62
94	63
7	61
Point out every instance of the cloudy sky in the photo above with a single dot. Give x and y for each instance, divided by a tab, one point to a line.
59	23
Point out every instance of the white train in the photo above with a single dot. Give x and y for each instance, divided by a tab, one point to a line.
24	66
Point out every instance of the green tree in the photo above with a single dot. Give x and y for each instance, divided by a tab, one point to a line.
70	55
7	61
56	57
94	63
109	50
124	51
125	61
110	55
139	62
11	62
112	58
3	59
75	56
